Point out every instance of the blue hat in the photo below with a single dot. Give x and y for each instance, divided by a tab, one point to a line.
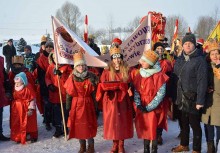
23	77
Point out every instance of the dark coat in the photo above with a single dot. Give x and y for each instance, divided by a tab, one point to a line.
9	52
191	76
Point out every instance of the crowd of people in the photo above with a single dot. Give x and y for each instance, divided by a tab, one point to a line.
182	84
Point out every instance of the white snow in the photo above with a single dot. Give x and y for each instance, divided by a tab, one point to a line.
47	144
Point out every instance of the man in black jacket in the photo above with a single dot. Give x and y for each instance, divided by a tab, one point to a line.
190	70
9	51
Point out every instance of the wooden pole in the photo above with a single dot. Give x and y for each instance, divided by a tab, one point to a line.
58	78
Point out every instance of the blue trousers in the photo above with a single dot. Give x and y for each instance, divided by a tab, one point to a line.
1	118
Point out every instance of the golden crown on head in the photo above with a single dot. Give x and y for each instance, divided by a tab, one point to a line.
151	55
78	56
18	59
211	45
115	50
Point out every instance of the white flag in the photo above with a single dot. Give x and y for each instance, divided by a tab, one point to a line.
67	43
135	44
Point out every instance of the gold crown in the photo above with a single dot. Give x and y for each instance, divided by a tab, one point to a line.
43	39
18	59
78	56
151	55
211	45
115	50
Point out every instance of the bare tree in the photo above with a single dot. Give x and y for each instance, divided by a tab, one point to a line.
110	29
204	26
170	25
70	15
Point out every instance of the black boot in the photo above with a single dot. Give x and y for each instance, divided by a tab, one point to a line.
3	138
146	146
210	147
154	146
59	132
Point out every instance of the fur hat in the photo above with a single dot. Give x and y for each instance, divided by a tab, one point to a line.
189	37
115	51
78	59
21	77
17	59
150	57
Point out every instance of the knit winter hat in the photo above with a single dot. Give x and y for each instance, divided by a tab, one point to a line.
49	44
157	44
78	59
189	37
21	77
28	47
150	57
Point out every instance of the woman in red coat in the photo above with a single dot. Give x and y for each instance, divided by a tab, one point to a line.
23	113
150	87
82	121
117	107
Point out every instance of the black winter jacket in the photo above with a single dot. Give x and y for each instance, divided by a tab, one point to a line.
191	76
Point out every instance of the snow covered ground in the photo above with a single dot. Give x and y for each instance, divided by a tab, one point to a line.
47	144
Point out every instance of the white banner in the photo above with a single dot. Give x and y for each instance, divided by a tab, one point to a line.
135	44
67	43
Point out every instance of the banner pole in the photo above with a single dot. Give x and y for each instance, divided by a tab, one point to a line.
58	79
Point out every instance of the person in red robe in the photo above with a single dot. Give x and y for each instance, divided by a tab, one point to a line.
82	122
166	67
150	88
23	113
51	79
112	92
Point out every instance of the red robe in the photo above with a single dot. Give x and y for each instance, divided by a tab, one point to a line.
166	68
117	108
20	123
82	117
146	123
3	101
51	78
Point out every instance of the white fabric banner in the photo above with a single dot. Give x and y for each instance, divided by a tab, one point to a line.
135	44
67	43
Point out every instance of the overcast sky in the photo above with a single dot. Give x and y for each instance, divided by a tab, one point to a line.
31	19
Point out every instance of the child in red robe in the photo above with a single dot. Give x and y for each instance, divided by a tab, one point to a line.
23	117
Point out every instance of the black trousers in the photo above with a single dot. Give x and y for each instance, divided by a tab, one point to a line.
57	114
192	120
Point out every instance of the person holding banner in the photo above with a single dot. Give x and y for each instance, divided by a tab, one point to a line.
51	80
82	121
150	89
112	93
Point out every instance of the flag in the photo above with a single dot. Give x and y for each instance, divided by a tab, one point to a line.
215	33
175	34
67	43
86	30
135	44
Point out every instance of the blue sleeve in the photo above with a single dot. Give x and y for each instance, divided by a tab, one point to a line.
137	99
157	99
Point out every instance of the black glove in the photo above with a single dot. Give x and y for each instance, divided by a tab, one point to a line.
57	72
52	88
142	108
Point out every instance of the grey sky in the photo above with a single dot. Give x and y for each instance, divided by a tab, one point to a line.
31	18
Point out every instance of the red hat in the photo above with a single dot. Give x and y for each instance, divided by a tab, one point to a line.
200	41
117	40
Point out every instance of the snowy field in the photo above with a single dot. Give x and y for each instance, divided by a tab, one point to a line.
47	144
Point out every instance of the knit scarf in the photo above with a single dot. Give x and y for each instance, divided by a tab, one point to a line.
149	72
187	57
82	75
